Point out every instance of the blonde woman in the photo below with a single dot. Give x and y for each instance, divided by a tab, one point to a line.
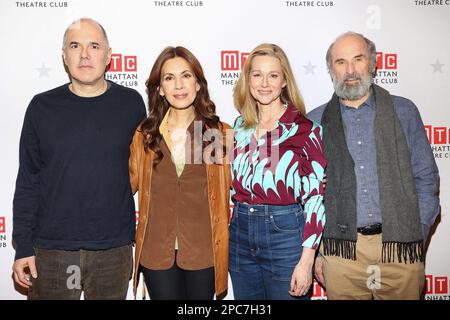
277	172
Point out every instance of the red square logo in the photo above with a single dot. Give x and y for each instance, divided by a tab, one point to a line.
379	60
230	60
440	285
429	131
390	61
440	135
130	63
244	56
429	284
231	211
318	291
116	63
2	225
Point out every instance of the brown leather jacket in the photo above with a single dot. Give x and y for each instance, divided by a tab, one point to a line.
219	182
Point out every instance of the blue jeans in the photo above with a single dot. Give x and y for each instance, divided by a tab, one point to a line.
265	247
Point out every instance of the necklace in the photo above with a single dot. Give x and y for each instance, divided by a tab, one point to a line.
178	129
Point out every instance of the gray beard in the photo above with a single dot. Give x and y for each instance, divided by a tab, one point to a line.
351	92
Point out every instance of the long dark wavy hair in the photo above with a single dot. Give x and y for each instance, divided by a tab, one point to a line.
205	109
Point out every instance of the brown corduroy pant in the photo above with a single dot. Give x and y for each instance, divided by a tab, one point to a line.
64	275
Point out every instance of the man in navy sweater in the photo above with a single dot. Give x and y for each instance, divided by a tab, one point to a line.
73	210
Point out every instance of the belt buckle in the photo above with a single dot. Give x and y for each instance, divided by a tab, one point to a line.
371	229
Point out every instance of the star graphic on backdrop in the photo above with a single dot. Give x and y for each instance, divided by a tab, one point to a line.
309	68
437	66
43	71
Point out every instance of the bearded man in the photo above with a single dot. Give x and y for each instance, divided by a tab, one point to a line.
383	183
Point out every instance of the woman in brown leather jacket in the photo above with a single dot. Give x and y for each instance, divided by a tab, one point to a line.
177	164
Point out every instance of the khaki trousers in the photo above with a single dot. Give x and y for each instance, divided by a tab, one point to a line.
368	278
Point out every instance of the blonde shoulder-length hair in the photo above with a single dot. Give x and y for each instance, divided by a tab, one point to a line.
244	101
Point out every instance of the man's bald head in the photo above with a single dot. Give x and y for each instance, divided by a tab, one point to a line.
77	24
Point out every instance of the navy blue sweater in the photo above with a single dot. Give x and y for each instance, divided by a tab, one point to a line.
73	189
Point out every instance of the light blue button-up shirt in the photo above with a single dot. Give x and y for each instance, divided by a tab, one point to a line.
359	134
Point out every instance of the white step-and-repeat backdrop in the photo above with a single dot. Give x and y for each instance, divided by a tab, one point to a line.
412	38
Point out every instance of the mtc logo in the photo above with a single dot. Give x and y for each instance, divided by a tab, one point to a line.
438	135
386	61
120	63
436	285
2	225
232	60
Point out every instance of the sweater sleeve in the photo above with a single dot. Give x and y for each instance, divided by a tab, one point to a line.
312	193
26	196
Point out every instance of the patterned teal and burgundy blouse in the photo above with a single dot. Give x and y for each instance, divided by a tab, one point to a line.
285	166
